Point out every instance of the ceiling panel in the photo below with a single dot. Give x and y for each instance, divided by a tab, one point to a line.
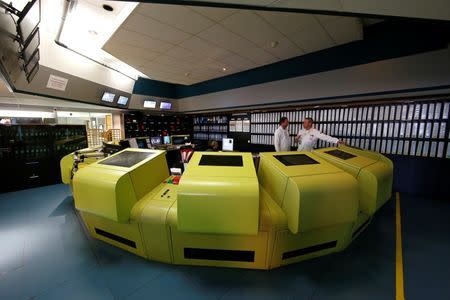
180	17
155	29
186	45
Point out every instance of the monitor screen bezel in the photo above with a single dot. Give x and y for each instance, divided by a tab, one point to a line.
104	93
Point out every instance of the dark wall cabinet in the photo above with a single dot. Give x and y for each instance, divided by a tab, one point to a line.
30	154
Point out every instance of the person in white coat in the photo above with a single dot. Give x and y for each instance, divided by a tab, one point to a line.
282	140
308	136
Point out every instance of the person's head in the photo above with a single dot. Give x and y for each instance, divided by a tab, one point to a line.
308	123
214	145
284	122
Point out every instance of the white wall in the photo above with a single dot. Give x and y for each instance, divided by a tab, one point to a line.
64	60
409	72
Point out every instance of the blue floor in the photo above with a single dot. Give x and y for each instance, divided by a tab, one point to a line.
45	254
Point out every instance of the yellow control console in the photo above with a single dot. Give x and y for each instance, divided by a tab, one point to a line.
222	212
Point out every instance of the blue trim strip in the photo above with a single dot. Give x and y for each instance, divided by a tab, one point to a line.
431	88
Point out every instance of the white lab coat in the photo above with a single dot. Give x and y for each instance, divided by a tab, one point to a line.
307	139
282	141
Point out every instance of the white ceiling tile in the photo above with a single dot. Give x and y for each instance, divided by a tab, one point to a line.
252	27
284	49
313	40
233	42
214	13
177	16
155	29
289	23
129	50
344	30
237	62
205	48
123	36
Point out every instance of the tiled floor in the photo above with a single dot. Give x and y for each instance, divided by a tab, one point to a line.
45	254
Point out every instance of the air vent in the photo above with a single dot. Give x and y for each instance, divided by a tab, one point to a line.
116	238
308	250
216	254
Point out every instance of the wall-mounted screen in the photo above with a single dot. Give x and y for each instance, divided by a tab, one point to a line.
31	46
149	104
165	105
122	100
29	20
108	97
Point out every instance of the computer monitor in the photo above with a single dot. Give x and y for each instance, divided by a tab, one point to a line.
155	140
180	139
227	144
108	97
133	143
166	140
122	100
142	143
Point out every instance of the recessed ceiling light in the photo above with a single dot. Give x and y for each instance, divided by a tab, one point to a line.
108	7
274	44
224	69
187	74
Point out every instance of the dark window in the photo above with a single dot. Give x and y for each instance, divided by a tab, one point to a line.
221	160
296	160
340	154
126	159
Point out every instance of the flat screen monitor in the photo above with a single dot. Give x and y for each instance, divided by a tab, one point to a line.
126	158
180	139
32	73
31	46
340	154
165	105
142	143
221	160
133	143
29	19
166	140
122	100
34	59
149	104
108	97
227	144
296	159
156	140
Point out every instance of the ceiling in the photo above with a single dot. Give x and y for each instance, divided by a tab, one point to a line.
187	45
424	9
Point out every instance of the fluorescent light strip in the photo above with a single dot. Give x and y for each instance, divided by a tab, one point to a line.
26	114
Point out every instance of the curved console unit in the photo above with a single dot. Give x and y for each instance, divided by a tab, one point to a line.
299	205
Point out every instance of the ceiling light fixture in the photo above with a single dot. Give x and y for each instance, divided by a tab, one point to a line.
274	44
187	74
224	69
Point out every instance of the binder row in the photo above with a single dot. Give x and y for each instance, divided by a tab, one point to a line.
416	129
210	120
210	128
210	136
398	112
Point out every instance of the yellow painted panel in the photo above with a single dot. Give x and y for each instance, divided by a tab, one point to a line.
256	243
124	230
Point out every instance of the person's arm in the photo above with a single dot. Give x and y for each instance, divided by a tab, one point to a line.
327	138
277	141
297	137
